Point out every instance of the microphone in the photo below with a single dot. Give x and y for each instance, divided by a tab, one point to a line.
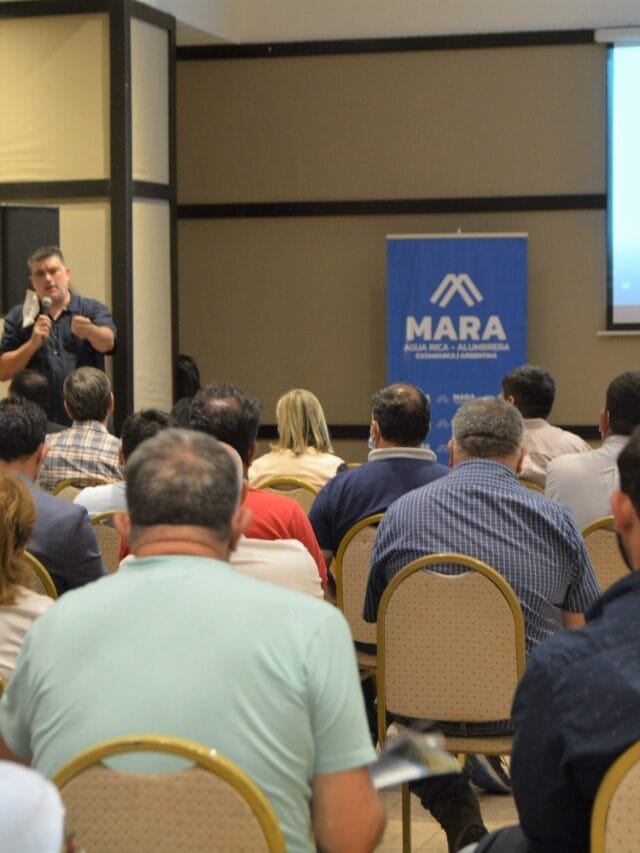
45	305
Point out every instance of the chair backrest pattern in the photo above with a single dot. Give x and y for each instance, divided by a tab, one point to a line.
38	578
352	564
212	806
108	540
615	819
450	647
602	544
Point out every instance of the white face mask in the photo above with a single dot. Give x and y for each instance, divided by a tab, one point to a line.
370	442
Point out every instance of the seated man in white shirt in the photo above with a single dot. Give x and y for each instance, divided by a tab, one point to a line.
586	482
532	390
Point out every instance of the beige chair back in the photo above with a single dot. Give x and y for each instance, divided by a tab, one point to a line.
601	541
68	489
450	647
352	564
212	805
301	491
615	819
108	540
529	484
38	578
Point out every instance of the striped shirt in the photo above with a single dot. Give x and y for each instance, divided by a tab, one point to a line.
481	510
86	449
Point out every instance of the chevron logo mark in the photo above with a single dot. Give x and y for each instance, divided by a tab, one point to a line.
452	284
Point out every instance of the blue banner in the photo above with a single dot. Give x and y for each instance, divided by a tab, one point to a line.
456	318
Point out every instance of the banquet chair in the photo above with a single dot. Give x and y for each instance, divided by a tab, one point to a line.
602	544
211	805
451	648
351	567
108	539
615	818
529	484
68	489
39	580
301	491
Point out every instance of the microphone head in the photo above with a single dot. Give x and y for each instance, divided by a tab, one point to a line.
45	305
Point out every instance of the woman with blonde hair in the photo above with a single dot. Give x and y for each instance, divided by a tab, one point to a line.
304	448
19	605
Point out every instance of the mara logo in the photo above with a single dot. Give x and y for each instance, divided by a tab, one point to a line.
452	284
460	327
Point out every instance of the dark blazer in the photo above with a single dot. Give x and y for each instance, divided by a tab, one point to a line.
64	541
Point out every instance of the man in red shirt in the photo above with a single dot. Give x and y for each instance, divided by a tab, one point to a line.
229	415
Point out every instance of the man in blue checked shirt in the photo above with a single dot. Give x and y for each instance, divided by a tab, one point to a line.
482	510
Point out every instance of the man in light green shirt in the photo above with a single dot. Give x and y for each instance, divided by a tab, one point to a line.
178	642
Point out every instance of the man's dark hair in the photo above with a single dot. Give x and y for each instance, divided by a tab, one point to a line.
402	412
44	252
142	425
31	385
623	402
629	469
182	477
181	412
186	378
23	427
86	392
227	414
533	390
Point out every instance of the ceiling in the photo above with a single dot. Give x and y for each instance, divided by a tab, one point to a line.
247	21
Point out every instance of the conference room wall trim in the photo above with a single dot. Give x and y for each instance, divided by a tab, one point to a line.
384	45
385	207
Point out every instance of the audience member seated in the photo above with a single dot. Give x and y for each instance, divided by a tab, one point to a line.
62	537
229	415
585	483
532	391
86	449
19	605
33	385
304	448
136	429
480	509
400	422
576	708
178	642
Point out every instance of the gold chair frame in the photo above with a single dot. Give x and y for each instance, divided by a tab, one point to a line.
199	755
606	573
301	491
529	484
105	531
605	796
361	631
487	745
78	483
41	573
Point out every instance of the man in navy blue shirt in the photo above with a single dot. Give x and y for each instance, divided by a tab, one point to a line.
576	708
398	463
56	332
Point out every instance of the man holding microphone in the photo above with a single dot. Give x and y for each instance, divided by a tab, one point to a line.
55	331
